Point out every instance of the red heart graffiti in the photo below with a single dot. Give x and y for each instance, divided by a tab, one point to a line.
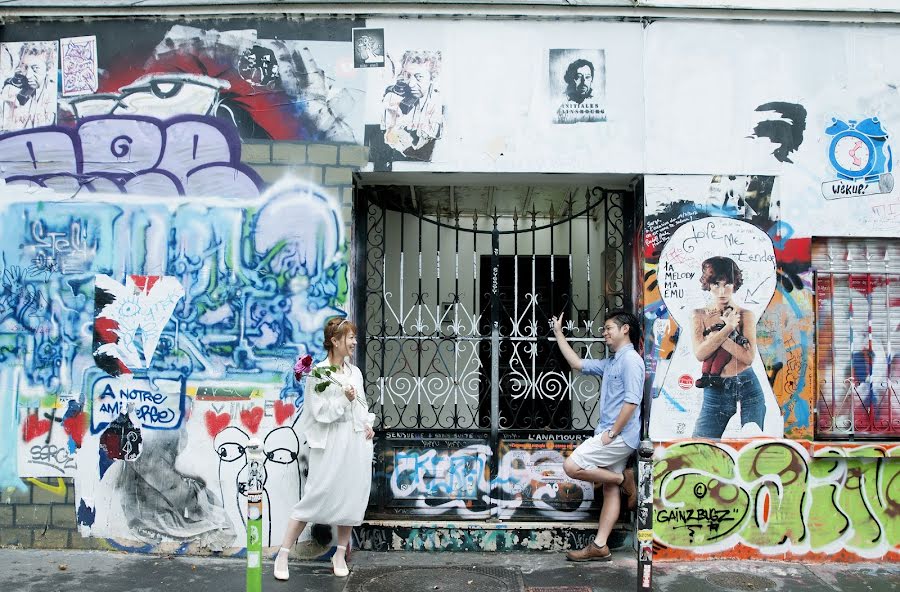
283	411
251	418
215	423
76	426
34	426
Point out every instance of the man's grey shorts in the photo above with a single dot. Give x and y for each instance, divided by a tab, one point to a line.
592	453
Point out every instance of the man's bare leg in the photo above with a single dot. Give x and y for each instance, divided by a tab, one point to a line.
609	513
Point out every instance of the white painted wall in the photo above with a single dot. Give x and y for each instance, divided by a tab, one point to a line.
704	80
498	112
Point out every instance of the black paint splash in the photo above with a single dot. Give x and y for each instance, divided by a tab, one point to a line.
787	132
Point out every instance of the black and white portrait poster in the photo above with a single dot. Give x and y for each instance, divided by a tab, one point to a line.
368	48
29	73
577	85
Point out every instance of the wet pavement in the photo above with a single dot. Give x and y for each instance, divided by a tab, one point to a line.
102	571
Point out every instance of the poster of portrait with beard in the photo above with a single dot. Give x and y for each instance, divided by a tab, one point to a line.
716	276
577	85
28	96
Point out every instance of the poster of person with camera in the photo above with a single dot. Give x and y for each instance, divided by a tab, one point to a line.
29	72
413	109
716	277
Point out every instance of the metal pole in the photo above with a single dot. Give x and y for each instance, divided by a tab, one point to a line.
254	515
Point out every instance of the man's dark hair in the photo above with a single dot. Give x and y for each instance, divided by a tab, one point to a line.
622	317
573	69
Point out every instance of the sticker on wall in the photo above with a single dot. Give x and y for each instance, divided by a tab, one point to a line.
29	73
412	112
259	66
716	276
860	154
130	320
78	60
577	85
368	48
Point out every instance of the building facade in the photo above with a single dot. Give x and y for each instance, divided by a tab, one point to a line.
188	197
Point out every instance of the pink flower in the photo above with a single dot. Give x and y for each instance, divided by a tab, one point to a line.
303	366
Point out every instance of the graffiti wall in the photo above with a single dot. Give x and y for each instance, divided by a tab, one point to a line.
729	323
776	499
137	384
444	479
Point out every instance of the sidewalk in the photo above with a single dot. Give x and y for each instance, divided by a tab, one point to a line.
100	571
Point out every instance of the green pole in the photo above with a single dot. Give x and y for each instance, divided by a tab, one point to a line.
254	515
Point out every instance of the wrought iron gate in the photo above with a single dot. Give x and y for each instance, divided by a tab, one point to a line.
475	405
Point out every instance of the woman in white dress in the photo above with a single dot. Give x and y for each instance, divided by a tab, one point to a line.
338	428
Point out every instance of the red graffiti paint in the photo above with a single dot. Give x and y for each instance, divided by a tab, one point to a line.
251	418
145	283
105	332
34	427
283	411
215	423
76	426
796	250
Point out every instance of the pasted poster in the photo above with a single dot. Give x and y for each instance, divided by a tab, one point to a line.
716	276
29	72
368	48
577	85
860	155
412	117
78	59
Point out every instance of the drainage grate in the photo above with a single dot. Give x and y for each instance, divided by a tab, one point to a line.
738	581
435	579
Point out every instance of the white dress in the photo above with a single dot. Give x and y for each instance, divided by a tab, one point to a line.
340	456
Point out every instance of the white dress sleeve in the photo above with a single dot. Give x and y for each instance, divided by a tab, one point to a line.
361	416
322	407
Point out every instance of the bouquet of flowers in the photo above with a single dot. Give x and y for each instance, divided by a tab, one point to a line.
304	366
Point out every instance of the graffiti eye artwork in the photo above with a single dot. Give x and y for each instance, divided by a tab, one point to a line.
231	452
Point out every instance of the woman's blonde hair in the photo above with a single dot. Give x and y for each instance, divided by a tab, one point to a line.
337	327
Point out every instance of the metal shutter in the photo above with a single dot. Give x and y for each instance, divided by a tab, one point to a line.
858	337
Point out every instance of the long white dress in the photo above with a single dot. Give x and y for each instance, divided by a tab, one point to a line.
340	457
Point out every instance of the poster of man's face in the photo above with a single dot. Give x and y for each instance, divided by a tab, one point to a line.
29	76
577	85
368	48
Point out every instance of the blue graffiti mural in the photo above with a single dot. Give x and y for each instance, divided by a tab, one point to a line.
259	269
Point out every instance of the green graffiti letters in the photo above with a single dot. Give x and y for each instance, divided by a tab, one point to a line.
776	498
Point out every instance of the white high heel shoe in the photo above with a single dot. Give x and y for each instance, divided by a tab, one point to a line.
340	571
281	573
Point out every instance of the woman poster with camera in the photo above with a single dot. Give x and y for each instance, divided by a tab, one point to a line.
724	338
716	278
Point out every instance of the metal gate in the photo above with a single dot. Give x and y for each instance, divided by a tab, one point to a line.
476	408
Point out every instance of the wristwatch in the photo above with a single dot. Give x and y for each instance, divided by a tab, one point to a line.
612	436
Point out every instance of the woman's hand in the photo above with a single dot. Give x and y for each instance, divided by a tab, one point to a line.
731	319
370	433
349	392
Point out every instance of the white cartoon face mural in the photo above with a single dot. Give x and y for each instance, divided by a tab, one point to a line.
716	276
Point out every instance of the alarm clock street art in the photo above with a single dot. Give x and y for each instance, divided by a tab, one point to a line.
860	154
716	276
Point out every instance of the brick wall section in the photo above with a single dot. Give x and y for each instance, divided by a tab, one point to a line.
40	518
331	166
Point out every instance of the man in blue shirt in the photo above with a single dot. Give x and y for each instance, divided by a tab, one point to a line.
602	458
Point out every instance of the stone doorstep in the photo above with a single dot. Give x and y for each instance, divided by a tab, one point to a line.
474	536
